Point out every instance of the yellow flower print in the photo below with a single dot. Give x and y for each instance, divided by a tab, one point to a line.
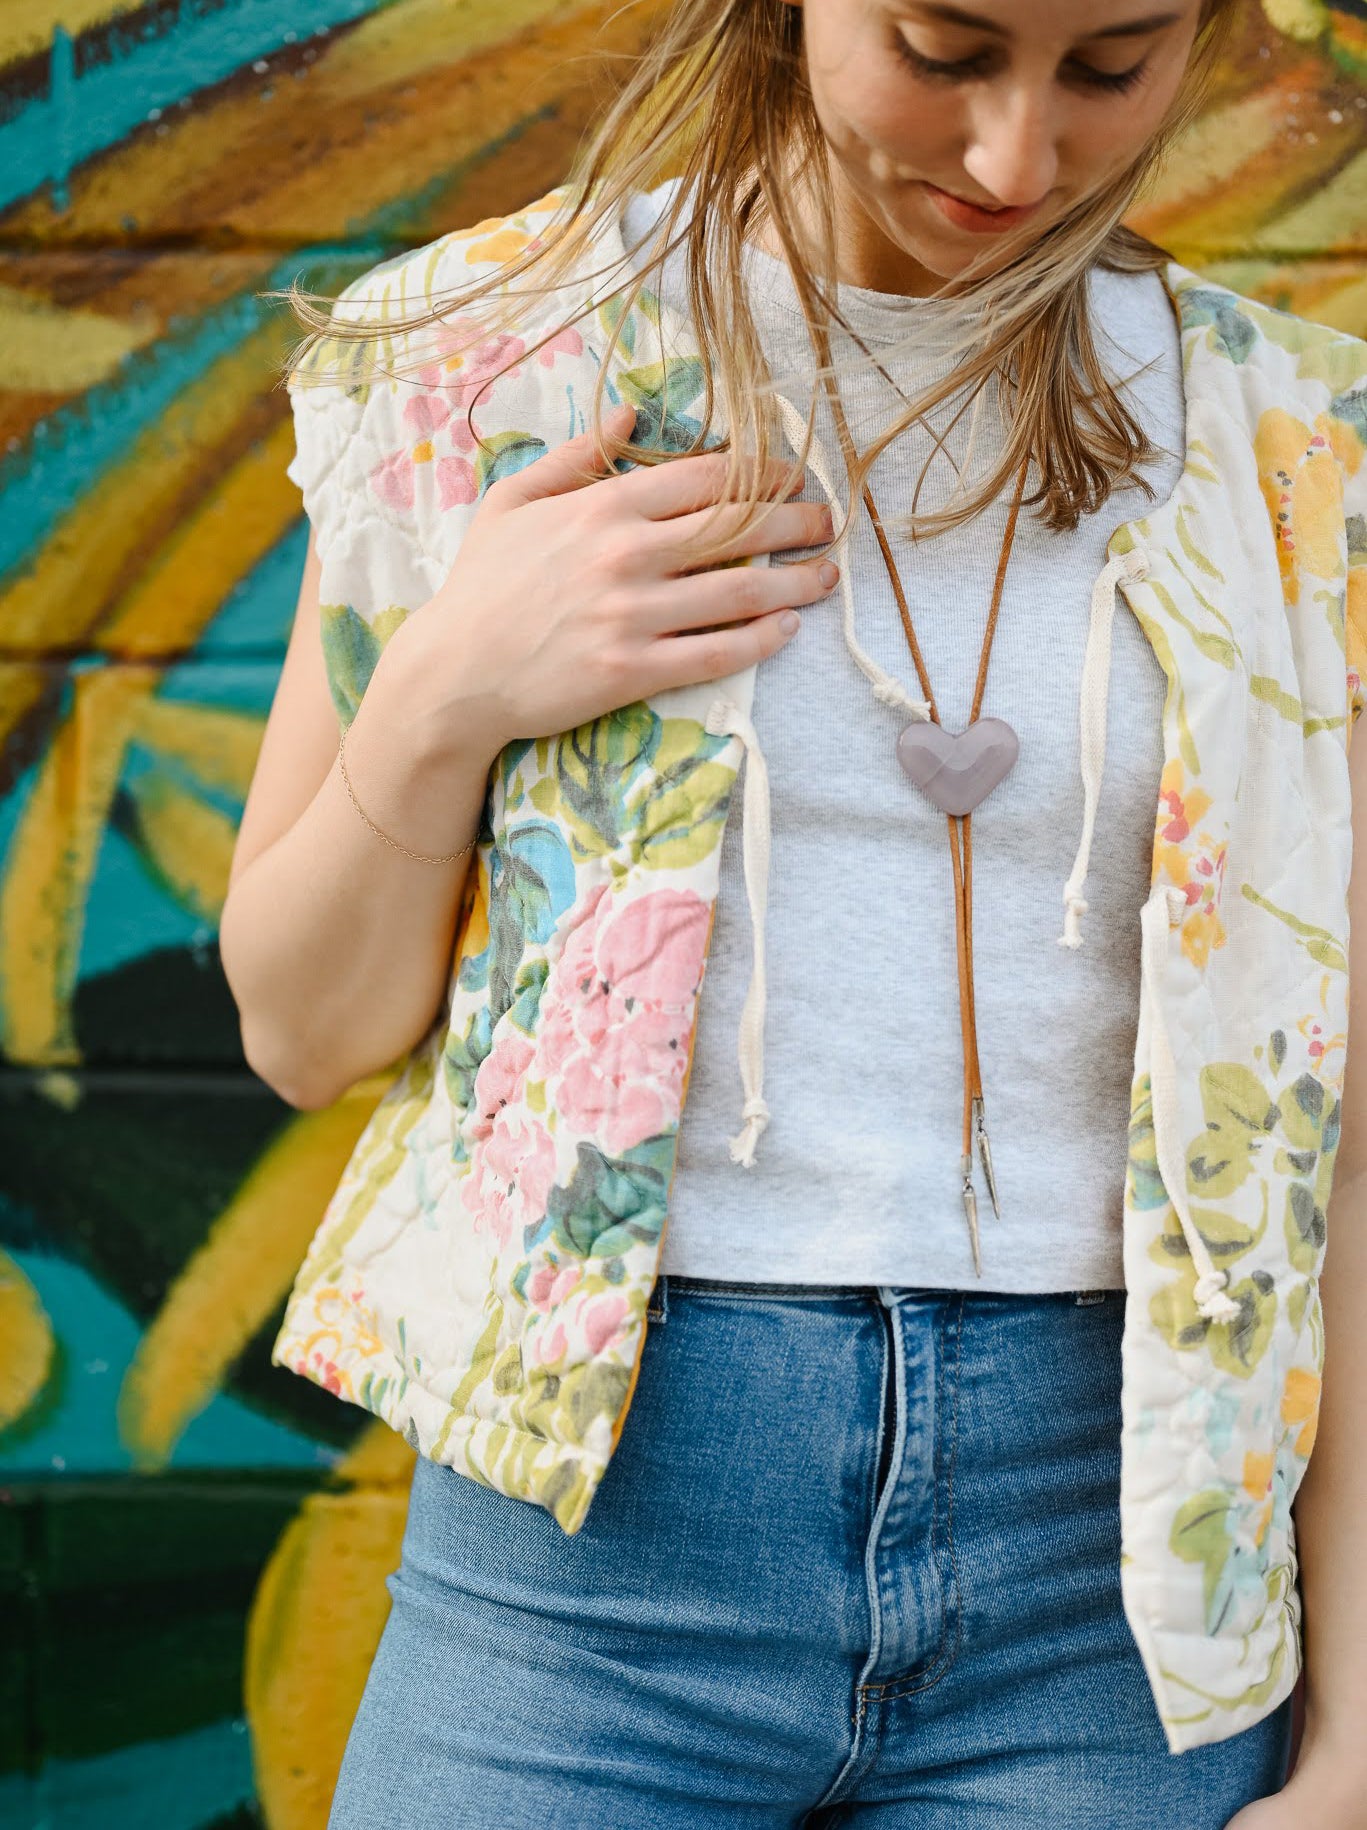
1190	859
1258	1486
505	237
1301	1405
1302	485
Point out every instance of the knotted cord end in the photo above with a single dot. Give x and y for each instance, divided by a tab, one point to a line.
891	692
1075	906
756	1115
1211	1301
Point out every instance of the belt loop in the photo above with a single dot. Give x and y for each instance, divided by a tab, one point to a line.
657	1304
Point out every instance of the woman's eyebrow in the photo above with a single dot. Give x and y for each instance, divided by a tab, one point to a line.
954	15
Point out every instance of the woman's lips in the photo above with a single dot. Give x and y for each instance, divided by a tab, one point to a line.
973	216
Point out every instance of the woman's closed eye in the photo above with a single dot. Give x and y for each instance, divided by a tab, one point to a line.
966	69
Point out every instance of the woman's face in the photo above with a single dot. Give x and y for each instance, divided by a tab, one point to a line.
958	130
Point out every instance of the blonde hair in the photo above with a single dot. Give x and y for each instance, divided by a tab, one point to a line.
720	99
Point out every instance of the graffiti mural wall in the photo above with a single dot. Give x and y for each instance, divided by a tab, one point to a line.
193	1544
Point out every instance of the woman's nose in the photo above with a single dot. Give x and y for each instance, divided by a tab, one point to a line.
1012	152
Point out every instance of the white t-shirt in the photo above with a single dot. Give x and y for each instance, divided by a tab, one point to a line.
860	854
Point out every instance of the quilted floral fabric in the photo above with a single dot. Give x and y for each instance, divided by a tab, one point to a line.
480	1276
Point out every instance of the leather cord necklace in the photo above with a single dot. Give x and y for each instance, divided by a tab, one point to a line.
956	772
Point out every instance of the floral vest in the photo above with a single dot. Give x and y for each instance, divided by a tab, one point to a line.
481	1274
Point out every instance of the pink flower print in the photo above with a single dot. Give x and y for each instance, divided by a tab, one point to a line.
617	1011
426	414
551	1345
461	373
325	1371
602	1319
456	483
511	1175
392	480
565	342
499	1080
653	951
551	1282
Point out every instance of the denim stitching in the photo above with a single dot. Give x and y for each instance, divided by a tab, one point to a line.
750	1292
942	1663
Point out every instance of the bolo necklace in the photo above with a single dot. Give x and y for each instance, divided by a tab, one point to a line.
955	771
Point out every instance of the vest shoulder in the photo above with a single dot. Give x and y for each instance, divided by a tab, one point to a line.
1267	341
426	278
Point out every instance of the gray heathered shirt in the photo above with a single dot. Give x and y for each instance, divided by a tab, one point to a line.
856	1177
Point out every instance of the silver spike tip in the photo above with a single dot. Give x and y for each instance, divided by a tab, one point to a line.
971	1214
985	1152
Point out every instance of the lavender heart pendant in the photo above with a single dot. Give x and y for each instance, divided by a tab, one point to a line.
956	771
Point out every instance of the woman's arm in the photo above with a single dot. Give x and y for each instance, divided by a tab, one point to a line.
1331	1508
336	947
1329	1783
1328	1789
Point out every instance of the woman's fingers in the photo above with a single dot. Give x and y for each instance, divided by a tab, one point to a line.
785	525
659	492
730	594
682	660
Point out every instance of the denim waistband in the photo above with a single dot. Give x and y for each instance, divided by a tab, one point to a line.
668	1282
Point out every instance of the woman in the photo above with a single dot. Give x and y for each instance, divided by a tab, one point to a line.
912	1390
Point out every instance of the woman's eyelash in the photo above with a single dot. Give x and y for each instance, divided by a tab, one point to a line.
1113	81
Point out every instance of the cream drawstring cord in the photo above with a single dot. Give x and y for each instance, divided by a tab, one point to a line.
886	689
1160	914
724	716
1096	675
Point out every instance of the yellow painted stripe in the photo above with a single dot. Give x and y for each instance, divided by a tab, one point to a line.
413	38
1335	218
63	596
26	26
234	1281
315	1622
1219	146
26	1343
51	860
362	163
217	746
189	841
221	539
51	350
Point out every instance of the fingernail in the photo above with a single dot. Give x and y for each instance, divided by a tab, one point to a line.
789	621
828	573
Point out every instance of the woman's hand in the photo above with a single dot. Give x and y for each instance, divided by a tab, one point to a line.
1316	1797
570	594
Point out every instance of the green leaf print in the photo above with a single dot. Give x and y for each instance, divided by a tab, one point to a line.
463	1056
1239	1115
596	767
660	391
1146	1185
1302	1112
1206	1531
1231	333
1318	942
532	885
610	1203
351	649
1305	1228
508	453
596	1390
1235	1347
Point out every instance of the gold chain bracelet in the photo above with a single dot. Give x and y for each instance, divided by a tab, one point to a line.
422	857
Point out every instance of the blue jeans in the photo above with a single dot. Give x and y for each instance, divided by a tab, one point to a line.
854	1562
